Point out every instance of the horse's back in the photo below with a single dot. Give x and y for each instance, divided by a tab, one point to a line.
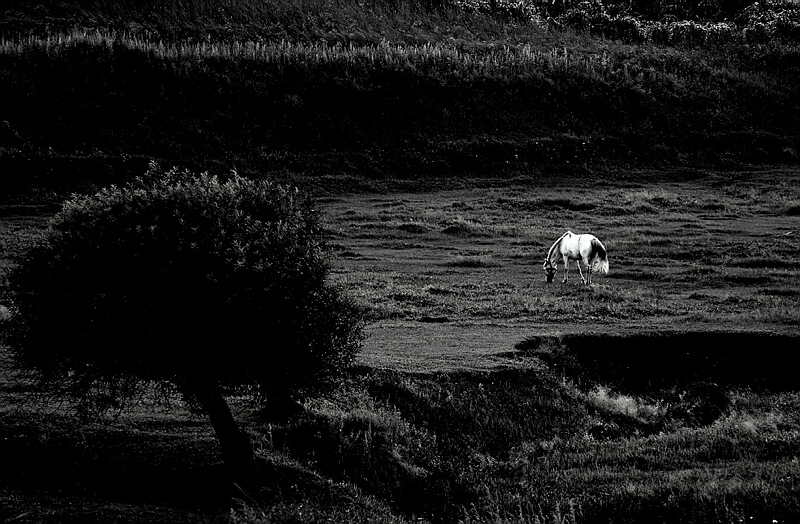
586	243
585	246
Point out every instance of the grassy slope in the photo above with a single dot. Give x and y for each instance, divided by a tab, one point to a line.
457	94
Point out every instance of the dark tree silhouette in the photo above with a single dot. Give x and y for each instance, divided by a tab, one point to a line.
207	285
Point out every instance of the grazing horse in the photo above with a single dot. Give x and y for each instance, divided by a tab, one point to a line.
580	248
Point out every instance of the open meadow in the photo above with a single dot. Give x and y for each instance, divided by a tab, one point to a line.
453	278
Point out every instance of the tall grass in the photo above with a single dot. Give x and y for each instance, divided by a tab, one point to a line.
402	109
439	60
420	89
527	447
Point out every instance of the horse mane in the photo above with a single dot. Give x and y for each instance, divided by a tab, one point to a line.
555	246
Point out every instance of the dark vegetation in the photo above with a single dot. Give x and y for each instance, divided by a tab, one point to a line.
328	92
690	371
205	287
514	445
728	359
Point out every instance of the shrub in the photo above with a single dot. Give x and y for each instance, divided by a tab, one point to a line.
210	286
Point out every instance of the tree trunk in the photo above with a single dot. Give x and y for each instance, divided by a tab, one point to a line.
237	450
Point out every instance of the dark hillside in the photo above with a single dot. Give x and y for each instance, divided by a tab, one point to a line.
418	90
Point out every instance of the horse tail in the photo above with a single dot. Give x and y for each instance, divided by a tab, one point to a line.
600	259
603	266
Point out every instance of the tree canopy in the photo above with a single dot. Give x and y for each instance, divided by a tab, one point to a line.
193	281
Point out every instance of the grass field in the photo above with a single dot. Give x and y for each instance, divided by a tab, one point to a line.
454	266
662	392
448	143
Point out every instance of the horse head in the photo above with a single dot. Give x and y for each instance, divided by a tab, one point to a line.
550	271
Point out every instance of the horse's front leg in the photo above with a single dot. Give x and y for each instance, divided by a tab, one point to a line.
580	270
566	270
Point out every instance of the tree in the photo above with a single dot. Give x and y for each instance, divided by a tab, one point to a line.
209	286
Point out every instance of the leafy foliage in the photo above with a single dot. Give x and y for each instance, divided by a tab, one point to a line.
174	277
684	23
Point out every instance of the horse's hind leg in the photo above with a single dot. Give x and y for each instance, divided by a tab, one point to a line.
588	273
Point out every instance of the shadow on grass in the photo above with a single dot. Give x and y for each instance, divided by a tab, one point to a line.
642	363
691	373
161	472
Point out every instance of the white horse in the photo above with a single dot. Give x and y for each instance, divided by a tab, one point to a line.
580	248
